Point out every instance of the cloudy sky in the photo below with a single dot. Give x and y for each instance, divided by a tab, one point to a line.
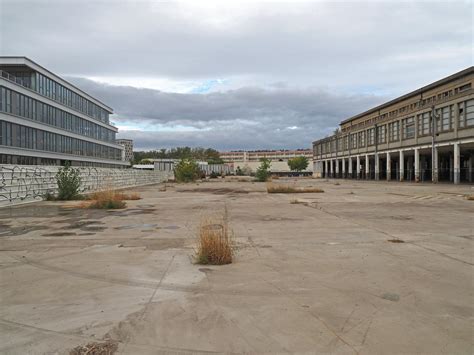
240	75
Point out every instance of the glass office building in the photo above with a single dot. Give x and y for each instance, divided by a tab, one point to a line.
44	120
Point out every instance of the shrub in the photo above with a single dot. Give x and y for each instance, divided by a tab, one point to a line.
263	171
239	171
69	183
286	189
187	170
214	242
214	175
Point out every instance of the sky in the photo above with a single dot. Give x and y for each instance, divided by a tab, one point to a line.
239	74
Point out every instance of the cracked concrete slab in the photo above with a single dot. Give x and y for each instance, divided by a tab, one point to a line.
316	276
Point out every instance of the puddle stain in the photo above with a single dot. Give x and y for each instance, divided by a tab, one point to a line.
59	234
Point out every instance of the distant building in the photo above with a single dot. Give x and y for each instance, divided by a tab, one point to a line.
425	135
128	145
45	120
250	160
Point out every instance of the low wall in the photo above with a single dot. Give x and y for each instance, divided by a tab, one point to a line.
20	183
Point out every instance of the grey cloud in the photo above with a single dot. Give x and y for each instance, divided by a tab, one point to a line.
347	44
245	118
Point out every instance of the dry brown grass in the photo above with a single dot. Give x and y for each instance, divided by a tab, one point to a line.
108	199
287	189
470	197
215	246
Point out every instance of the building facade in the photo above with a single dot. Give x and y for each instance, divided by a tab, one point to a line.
128	148
425	135
44	120
250	160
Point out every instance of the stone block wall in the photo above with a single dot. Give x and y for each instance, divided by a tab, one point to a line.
21	183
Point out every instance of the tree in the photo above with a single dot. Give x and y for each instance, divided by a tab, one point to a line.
298	163
187	170
263	171
209	155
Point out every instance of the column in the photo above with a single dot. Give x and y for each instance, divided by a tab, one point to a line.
389	167
457	163
451	167
350	167
377	162
470	168
337	168
434	163
417	165
333	167
367	167
358	167
343	168
401	166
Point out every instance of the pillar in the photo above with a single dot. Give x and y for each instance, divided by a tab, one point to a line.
377	162
350	167
367	167
451	167
344	168
337	168
358	167
417	165
457	163
389	167
470	168
333	167
402	166
434	164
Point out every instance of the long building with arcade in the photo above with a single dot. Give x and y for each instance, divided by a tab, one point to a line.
425	135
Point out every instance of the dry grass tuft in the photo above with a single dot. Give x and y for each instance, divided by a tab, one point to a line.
129	197
107	348
298	202
215	245
275	177
287	189
108	199
470	197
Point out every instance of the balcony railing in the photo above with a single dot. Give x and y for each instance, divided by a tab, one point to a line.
14	79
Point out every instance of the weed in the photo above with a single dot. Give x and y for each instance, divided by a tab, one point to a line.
286	189
470	197
107	348
214	242
108	199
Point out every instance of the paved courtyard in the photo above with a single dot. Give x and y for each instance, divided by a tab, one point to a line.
316	273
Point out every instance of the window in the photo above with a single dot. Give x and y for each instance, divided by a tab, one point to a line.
463	88
445	113
408	128
469	113
394	131
353	140
371	136
382	134
361	139
424	124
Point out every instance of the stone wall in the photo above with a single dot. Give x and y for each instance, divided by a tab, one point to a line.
20	183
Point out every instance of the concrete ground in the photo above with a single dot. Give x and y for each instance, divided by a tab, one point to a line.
313	273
